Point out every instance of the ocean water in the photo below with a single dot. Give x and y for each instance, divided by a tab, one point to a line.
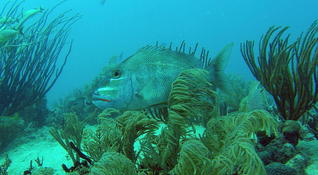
121	27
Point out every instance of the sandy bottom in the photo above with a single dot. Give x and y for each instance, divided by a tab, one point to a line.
38	144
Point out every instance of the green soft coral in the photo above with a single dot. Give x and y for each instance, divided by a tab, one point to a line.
230	140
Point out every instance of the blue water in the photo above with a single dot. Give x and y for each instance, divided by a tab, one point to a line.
123	26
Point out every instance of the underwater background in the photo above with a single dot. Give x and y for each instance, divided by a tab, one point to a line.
250	126
122	27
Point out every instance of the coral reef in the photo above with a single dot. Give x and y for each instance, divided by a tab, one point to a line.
134	142
203	127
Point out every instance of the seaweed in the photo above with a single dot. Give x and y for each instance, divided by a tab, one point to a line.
150	159
72	131
5	165
10	128
133	124
229	140
192	97
113	163
79	166
193	158
29	62
107	137
77	102
287	70
39	170
191	100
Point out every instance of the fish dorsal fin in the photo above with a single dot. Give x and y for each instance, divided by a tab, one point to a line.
113	60
222	58
181	50
218	63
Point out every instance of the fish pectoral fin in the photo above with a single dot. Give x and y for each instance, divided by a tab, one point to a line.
146	93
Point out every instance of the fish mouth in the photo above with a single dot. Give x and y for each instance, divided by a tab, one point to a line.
99	98
104	94
102	99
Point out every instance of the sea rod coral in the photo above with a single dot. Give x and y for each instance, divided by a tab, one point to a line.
29	62
287	70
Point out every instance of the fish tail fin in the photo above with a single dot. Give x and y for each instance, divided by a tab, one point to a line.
217	66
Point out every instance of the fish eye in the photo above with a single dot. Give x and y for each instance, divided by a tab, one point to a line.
116	74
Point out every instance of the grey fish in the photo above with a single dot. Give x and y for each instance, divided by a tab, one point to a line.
145	78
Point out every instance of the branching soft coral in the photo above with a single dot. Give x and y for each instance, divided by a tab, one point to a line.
192	98
288	71
72	131
230	140
193	158
107	137
113	163
134	124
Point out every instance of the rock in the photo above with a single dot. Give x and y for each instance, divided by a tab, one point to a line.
283	153
312	169
307	134
291	131
277	168
310	150
277	151
43	171
298	162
